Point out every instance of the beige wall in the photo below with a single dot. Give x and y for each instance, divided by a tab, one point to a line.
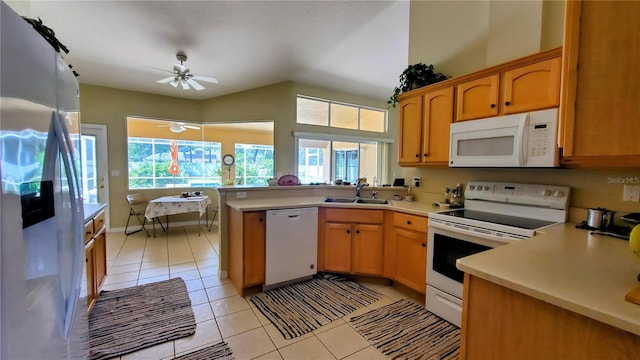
470	39
277	103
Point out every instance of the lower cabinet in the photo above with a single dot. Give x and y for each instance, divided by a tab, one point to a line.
95	249
247	237
408	257
351	241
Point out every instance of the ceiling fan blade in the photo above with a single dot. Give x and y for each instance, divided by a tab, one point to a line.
195	84
166	81
205	79
174	83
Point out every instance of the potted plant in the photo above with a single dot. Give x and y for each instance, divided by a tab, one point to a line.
413	77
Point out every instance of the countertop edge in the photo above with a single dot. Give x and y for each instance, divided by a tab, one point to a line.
93	210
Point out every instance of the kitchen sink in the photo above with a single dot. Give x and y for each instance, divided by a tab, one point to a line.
372	201
339	200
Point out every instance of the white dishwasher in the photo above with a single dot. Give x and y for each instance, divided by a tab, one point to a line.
291	245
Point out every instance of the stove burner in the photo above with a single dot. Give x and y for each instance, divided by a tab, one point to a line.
514	221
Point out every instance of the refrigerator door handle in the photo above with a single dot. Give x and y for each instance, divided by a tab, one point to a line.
64	146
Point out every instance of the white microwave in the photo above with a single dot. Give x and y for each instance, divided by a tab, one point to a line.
519	140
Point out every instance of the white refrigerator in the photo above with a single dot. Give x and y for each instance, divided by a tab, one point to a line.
41	212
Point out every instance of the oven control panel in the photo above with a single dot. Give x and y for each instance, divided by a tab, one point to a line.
551	196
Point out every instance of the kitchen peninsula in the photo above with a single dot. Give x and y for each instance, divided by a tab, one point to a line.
557	295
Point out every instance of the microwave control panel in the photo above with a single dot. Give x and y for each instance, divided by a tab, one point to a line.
542	129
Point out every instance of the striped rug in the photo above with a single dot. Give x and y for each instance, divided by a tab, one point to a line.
127	320
406	330
219	351
299	308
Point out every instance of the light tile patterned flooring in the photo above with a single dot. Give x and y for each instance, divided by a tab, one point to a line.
219	311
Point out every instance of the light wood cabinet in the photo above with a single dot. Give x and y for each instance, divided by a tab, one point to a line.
524	88
478	98
247	237
424	127
533	329
599	119
408	238
95	237
351	241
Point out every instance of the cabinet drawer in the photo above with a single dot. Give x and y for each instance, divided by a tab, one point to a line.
410	222
88	231
354	216
98	222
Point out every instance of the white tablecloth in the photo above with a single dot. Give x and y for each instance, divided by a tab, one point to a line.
169	205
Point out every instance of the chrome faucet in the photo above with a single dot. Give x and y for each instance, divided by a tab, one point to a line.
359	187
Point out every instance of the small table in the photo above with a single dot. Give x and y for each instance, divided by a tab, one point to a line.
175	204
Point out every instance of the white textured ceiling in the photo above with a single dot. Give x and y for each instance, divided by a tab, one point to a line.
358	47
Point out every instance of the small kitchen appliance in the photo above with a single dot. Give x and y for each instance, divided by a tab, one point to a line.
494	214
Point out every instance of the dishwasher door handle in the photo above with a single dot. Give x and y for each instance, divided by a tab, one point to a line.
293	216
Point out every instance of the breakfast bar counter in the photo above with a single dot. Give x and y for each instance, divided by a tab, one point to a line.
569	268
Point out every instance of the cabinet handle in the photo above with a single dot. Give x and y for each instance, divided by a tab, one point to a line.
86	260
261	220
88	233
348	231
507	103
408	222
417	155
424	245
357	231
492	106
425	154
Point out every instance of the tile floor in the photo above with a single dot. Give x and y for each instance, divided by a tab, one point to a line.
221	314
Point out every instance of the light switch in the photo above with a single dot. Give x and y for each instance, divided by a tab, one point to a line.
631	193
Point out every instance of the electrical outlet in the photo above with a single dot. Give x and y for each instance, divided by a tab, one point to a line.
416	181
241	195
631	193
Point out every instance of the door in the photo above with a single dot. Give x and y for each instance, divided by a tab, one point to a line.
95	165
367	249
478	98
337	247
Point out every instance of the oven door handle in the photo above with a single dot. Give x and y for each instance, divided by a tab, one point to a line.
487	235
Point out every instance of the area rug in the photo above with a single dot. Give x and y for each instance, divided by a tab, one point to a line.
219	351
299	308
130	319
406	330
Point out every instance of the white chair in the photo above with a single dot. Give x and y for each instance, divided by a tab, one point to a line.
137	207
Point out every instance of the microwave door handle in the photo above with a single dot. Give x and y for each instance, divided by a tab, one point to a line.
521	138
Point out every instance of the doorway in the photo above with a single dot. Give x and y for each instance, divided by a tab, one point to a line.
95	166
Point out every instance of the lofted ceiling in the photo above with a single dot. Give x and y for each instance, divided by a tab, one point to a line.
358	47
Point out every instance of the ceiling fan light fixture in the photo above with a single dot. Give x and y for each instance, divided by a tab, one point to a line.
176	128
174	83
184	84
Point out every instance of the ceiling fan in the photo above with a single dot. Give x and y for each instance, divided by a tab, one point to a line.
183	76
178	126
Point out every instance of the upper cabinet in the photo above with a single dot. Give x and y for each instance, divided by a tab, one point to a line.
524	88
600	93
478	98
424	128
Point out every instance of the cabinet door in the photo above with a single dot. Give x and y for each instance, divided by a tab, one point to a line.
532	87
410	130
367	249
100	257
411	259
599	115
337	247
478	98
89	252
438	116
254	225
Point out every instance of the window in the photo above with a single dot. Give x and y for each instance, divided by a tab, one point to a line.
325	158
338	115
149	161
254	164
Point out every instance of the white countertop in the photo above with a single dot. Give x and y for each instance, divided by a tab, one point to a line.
413	207
91	210
567	267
